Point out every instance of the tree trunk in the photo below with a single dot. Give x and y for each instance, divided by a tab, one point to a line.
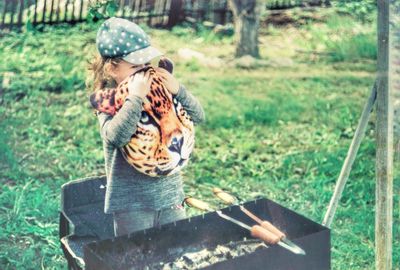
247	19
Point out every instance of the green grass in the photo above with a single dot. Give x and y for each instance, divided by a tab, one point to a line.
342	38
282	133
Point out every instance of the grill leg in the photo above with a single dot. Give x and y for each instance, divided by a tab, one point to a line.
64	231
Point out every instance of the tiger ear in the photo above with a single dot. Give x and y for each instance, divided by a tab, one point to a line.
103	100
166	64
93	101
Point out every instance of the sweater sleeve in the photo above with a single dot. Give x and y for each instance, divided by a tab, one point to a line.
118	129
191	105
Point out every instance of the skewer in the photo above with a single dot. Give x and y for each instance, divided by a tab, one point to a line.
256	230
283	240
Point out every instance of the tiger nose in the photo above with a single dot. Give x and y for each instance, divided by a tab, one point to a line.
176	145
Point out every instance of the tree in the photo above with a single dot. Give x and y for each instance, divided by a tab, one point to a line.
101	9
247	19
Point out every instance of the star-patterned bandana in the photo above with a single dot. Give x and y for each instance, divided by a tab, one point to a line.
119	37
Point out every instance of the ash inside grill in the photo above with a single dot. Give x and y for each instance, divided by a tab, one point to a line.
210	242
193	257
207	256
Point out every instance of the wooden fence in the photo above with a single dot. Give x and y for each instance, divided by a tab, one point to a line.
17	12
218	12
152	12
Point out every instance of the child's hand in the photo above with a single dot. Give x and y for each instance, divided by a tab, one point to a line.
168	80
140	84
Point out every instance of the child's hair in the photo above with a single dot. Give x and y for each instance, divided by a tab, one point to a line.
98	77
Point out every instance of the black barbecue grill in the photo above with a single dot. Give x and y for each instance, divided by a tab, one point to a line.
87	236
82	217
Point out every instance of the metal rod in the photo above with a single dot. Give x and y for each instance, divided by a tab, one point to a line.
250	214
351	155
289	245
284	242
233	220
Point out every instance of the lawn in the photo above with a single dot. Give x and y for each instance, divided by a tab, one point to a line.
280	131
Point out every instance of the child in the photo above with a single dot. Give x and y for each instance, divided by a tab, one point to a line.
136	198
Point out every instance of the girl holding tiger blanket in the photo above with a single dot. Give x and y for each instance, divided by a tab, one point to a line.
146	123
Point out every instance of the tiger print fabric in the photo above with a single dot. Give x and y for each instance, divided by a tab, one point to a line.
164	138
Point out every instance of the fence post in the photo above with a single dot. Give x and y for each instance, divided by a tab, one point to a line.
13	9
51	11
176	13
66	10
3	18
35	13
384	146
21	11
44	12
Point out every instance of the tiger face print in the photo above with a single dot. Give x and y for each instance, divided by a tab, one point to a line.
164	138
